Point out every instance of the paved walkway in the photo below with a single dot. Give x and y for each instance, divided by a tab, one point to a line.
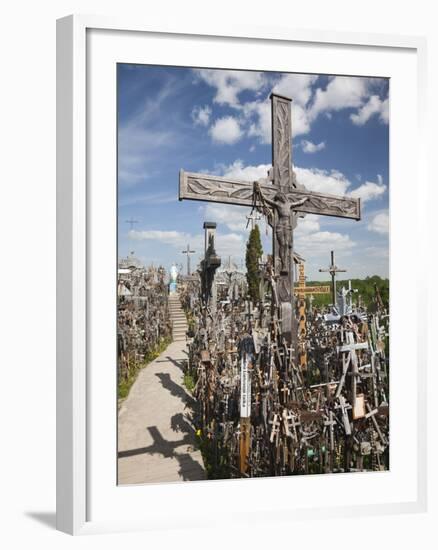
156	437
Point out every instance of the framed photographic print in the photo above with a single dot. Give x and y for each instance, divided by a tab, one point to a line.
234	215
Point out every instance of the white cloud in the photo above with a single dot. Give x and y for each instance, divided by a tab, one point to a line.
230	244
226	130
374	106
309	147
174	238
322	181
369	190
380	223
201	115
300	120
308	224
341	92
234	217
229	84
296	86
259	112
384	111
312	245
237	170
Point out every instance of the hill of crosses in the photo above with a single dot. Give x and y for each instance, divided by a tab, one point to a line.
250	371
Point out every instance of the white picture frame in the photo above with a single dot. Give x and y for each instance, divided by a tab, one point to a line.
76	251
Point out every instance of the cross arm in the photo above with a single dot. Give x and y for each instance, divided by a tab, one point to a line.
205	187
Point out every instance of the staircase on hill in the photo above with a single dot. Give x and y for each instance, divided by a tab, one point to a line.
178	318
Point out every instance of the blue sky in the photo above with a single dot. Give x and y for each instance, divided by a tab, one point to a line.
218	121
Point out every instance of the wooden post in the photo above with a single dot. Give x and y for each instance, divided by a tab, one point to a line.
245	413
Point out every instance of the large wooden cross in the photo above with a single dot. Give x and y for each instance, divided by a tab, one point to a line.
283	195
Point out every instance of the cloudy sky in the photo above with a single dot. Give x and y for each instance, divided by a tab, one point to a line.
219	122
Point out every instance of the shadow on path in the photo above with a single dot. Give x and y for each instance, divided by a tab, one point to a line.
189	469
175	389
177	362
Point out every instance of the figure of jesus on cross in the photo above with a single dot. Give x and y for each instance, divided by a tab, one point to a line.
282	198
283	229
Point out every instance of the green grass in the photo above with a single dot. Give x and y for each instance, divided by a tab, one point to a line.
125	385
189	381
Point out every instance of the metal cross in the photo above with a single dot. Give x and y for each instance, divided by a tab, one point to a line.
188	252
283	195
333	269
131	222
253	218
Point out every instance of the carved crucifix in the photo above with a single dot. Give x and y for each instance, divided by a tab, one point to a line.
285	198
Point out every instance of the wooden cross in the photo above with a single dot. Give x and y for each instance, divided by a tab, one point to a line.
349	357
275	429
301	290
282	195
344	406
245	411
188	252
333	269
330	423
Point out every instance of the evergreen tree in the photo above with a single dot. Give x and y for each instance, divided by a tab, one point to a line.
254	252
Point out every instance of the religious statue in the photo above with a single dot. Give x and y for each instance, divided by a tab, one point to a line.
283	226
173	279
173	273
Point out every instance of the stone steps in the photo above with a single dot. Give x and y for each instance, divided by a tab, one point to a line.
178	318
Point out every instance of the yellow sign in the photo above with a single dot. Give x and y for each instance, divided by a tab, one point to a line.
312	290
